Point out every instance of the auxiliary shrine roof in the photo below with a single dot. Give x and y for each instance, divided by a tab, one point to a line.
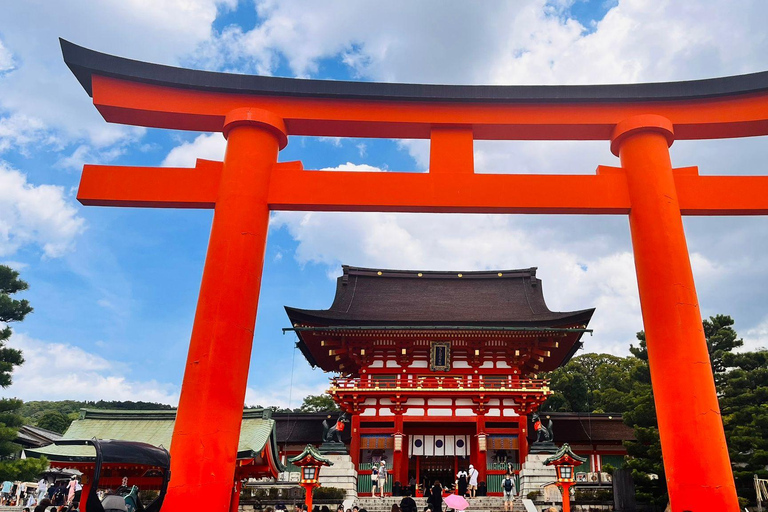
367	296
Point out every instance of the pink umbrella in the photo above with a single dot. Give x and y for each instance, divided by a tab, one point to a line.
456	502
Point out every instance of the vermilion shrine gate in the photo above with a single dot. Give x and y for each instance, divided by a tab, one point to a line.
256	115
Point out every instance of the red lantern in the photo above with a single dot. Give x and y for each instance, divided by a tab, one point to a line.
564	461
310	462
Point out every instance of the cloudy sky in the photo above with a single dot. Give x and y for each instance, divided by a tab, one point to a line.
114	290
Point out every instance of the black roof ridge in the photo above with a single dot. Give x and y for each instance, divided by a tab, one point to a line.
85	63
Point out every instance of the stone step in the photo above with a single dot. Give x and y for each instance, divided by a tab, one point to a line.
481	504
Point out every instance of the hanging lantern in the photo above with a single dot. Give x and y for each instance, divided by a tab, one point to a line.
398	442
482	442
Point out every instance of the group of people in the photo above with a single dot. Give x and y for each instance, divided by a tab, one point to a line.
379	478
58	495
46	506
63	496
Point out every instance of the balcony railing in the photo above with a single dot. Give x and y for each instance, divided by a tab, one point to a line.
432	383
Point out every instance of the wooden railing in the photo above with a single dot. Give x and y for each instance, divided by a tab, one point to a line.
466	383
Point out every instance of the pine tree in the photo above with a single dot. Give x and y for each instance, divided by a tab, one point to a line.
12	310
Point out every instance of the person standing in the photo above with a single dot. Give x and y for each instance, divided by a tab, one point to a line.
472	474
461	482
435	499
508	486
6	490
42	489
71	489
408	504
382	477
374	480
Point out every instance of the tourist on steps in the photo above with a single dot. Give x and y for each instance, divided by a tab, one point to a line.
472	474
508	486
435	499
382	477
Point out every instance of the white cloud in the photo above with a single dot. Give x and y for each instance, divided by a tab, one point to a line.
350	167
39	215
756	338
206	146
6	59
19	131
62	371
41	87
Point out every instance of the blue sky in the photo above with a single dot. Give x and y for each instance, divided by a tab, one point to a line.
114	290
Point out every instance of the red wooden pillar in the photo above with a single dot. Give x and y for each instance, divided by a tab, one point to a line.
522	439
481	459
207	429
397	457
354	444
234	504
684	390
84	495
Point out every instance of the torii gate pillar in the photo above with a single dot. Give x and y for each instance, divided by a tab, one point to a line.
677	350
207	430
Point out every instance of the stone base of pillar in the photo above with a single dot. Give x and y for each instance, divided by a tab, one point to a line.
342	475
534	475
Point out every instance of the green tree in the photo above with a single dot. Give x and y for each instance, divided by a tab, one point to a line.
12	310
597	383
743	391
55	421
742	387
318	403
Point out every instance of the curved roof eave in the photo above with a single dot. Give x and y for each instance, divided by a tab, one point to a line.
85	63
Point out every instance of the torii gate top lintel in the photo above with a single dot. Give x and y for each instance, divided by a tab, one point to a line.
133	92
258	114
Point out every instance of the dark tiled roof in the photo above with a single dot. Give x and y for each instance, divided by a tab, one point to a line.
411	297
30	436
583	428
303	428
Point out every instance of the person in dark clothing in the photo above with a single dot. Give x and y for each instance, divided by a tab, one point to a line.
408	504
461	482
435	498
43	505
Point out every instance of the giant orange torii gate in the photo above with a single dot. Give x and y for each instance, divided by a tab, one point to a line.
256	115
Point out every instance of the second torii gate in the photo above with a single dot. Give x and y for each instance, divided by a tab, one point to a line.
257	114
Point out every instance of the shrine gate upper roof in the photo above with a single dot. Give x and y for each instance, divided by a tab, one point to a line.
367	296
85	63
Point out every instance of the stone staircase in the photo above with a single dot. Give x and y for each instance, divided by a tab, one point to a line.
481	504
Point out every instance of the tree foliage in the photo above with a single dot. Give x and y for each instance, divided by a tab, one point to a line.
596	383
610	384
318	403
12	310
54	421
743	390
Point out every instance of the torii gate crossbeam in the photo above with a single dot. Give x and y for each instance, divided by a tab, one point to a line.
257	114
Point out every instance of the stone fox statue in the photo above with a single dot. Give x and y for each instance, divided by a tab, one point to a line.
332	433
542	433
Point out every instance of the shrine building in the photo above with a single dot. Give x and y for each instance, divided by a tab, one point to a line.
438	369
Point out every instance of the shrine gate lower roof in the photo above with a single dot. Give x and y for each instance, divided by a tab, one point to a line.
366	296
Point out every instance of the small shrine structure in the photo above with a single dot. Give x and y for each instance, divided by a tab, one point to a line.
257	454
438	369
